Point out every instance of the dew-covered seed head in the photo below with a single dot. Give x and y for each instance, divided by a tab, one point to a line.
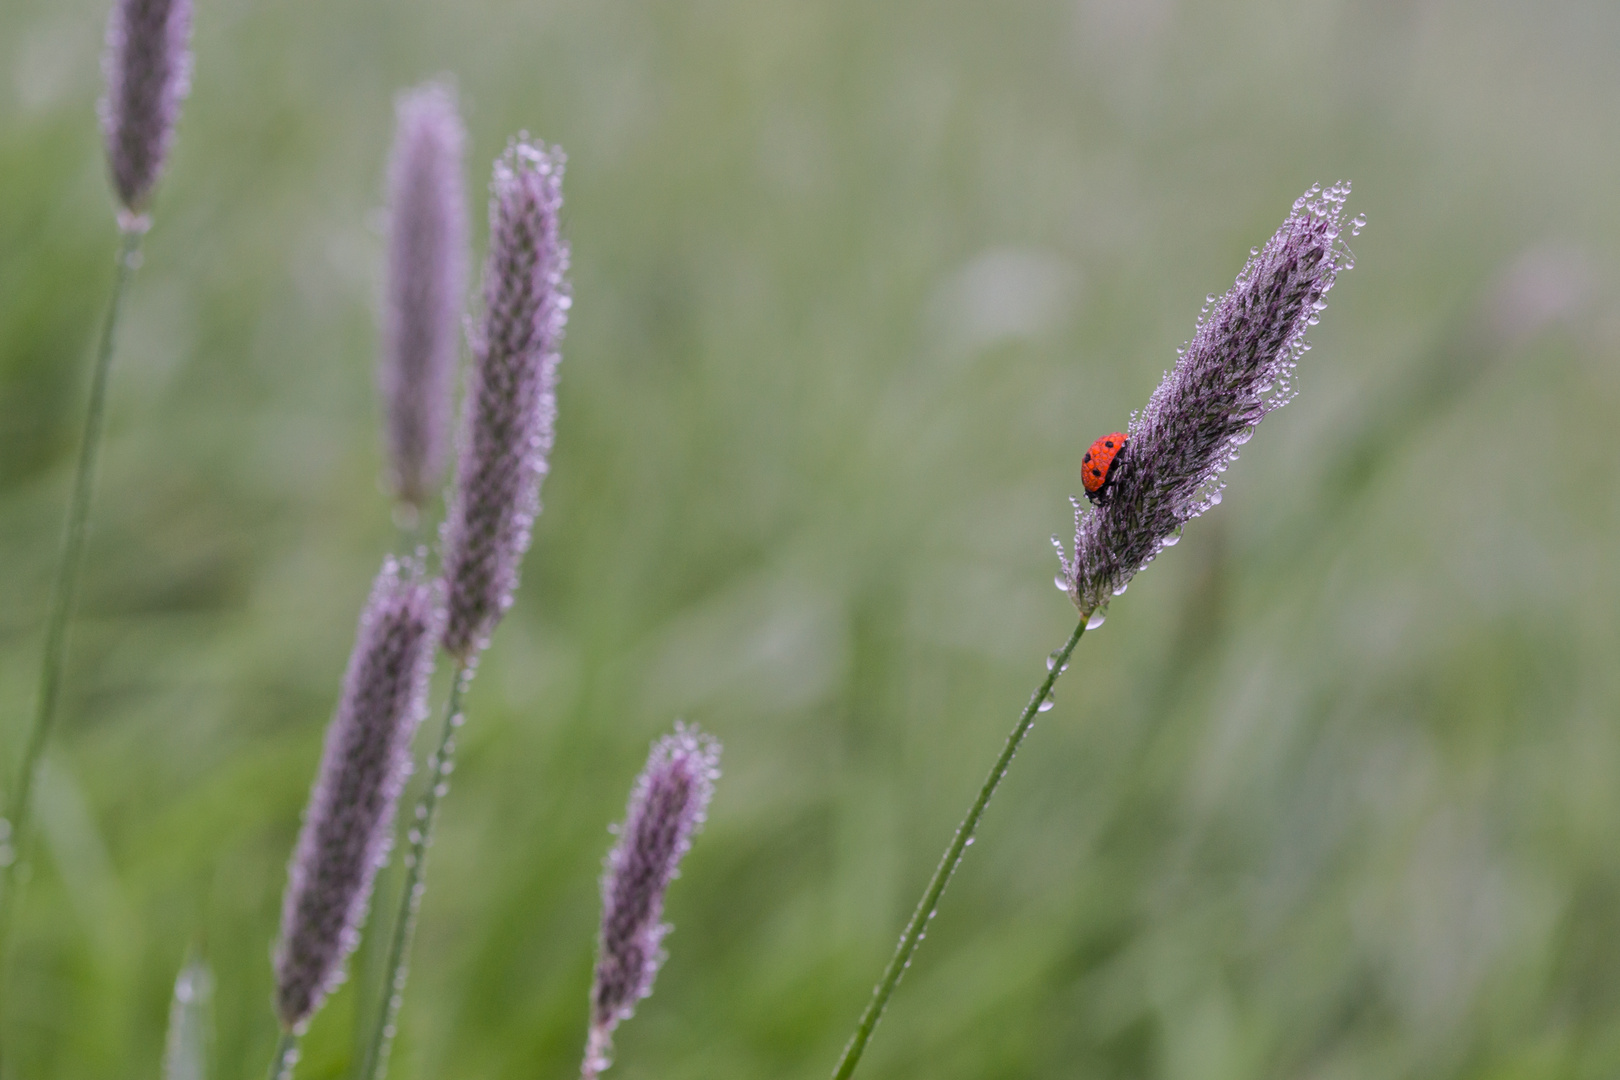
1236	369
147	64
349	820
510	408
666	808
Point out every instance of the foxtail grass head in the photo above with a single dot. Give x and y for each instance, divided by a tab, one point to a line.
349	821
427	282
510	408
1236	369
666	807
148	68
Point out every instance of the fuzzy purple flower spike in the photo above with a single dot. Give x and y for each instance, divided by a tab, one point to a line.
510	407
1234	372
349	822
148	70
427	281
666	807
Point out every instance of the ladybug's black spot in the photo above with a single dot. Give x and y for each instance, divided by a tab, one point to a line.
1087	458
1109	444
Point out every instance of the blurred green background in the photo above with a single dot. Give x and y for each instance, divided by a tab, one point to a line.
1334	793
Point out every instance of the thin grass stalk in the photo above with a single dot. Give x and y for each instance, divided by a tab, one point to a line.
912	936
286	1056
381	1042
369	958
14	827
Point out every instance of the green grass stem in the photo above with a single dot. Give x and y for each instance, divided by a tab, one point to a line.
14	826
913	933
286	1056
375	1062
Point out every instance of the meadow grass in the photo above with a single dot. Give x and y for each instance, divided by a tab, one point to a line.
1331	795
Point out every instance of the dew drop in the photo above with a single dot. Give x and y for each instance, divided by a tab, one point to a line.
1061	583
1046	704
1121	590
1215	498
1172	540
1096	619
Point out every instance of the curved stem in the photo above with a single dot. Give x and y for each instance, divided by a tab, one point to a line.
281	1066
13	827
926	907
410	901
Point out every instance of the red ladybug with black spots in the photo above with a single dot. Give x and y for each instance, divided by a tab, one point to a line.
1100	465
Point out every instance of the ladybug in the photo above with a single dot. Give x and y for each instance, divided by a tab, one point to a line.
1101	462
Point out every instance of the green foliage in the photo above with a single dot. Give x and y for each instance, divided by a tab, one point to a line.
1332	794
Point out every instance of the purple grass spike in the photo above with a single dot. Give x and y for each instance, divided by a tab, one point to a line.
666	807
427	282
510	408
1235	370
148	70
349	822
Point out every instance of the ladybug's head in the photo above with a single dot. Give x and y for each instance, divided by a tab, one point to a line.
1101	463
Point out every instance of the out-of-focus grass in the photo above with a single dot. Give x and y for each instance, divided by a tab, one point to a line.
1333	794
